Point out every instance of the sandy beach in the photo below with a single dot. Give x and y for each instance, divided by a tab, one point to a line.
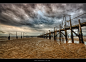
33	48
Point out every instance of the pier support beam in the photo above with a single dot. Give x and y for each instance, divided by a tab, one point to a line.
54	34
49	34
23	35
9	37
62	36
80	33
71	32
66	35
60	33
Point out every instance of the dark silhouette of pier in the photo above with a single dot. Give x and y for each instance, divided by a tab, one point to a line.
78	26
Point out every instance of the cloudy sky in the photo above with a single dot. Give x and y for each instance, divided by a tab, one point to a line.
37	18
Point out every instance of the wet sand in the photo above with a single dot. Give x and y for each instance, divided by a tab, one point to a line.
33	48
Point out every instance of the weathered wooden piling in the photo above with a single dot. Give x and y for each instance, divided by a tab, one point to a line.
71	32
55	34
9	37
45	36
60	33
21	35
80	33
65	34
16	36
49	34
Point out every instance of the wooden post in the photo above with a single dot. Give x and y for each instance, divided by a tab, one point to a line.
9	37
54	34
21	35
65	21
80	33
71	32
49	34
62	40
66	35
60	33
65	30
46	36
58	36
16	36
42	36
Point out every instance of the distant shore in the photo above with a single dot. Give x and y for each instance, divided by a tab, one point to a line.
6	38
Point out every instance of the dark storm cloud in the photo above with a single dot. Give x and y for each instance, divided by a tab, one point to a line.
32	14
7	7
84	6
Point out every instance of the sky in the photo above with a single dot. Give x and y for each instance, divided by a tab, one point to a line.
37	18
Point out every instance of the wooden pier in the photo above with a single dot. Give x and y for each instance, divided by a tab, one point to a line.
78	26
